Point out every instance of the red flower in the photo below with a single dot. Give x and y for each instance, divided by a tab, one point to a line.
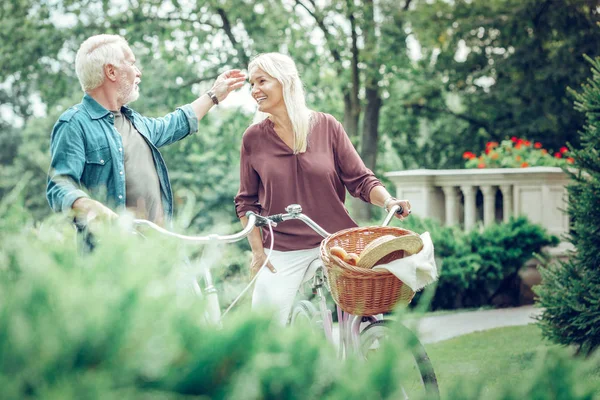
481	165
518	145
487	151
491	145
514	139
537	145
570	160
558	155
563	150
527	143
467	155
524	165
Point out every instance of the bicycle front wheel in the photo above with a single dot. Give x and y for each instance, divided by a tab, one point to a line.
305	313
419	376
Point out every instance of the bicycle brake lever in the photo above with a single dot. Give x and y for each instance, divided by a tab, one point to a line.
260	220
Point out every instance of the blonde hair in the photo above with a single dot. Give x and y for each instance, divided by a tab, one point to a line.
283	68
94	54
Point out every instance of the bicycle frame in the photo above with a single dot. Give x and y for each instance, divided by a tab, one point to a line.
210	292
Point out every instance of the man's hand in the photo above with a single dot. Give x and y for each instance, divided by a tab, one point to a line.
87	210
227	82
258	258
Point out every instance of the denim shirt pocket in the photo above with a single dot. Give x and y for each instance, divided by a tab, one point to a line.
97	170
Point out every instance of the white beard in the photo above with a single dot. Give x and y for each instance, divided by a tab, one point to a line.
128	93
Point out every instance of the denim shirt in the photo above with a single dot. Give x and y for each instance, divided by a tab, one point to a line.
87	157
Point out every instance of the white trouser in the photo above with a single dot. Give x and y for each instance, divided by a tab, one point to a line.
277	291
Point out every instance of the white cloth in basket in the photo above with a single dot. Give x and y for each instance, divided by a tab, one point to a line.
418	270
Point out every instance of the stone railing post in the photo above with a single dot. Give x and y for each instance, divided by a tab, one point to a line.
489	204
469	194
451	203
507	202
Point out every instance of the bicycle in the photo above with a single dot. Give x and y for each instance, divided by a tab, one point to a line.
357	334
354	336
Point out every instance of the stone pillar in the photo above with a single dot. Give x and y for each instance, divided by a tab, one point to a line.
469	194
451	203
489	204
507	202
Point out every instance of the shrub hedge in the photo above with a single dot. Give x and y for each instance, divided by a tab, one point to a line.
474	266
123	322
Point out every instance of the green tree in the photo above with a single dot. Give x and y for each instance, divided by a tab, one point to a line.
497	69
353	56
570	292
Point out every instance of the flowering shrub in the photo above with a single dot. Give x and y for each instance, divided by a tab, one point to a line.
517	153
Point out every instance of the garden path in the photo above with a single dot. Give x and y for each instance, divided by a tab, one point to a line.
437	328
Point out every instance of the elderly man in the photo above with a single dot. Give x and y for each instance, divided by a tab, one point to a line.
104	155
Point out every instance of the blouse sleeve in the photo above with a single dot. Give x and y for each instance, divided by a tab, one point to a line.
247	196
358	179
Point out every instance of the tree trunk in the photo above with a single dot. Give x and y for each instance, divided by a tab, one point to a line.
351	100
370	131
369	140
351	114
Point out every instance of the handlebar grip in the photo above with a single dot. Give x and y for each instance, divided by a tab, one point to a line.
276	218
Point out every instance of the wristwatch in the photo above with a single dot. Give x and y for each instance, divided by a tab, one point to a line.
213	97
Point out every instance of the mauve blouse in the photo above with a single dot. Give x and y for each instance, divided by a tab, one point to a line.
273	177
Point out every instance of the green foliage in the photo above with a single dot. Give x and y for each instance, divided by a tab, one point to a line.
556	376
495	69
474	266
504	249
570	292
204	170
123	322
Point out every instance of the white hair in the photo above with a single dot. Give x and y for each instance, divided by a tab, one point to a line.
283	68
94	54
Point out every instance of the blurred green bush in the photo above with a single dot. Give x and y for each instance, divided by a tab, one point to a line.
123	322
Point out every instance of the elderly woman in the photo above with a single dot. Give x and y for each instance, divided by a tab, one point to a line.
294	155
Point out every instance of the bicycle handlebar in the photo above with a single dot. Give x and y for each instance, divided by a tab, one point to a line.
293	211
202	239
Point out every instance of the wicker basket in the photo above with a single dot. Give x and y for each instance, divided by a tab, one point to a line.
363	291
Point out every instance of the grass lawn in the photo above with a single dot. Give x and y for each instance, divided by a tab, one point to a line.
500	357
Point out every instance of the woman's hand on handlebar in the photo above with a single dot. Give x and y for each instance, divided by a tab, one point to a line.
405	207
258	259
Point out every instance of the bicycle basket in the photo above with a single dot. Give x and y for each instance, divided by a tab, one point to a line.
364	291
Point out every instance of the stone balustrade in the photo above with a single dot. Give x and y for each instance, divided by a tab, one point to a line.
468	196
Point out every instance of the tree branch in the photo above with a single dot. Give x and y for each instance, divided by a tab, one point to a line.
228	31
176	19
200	80
354	66
328	36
